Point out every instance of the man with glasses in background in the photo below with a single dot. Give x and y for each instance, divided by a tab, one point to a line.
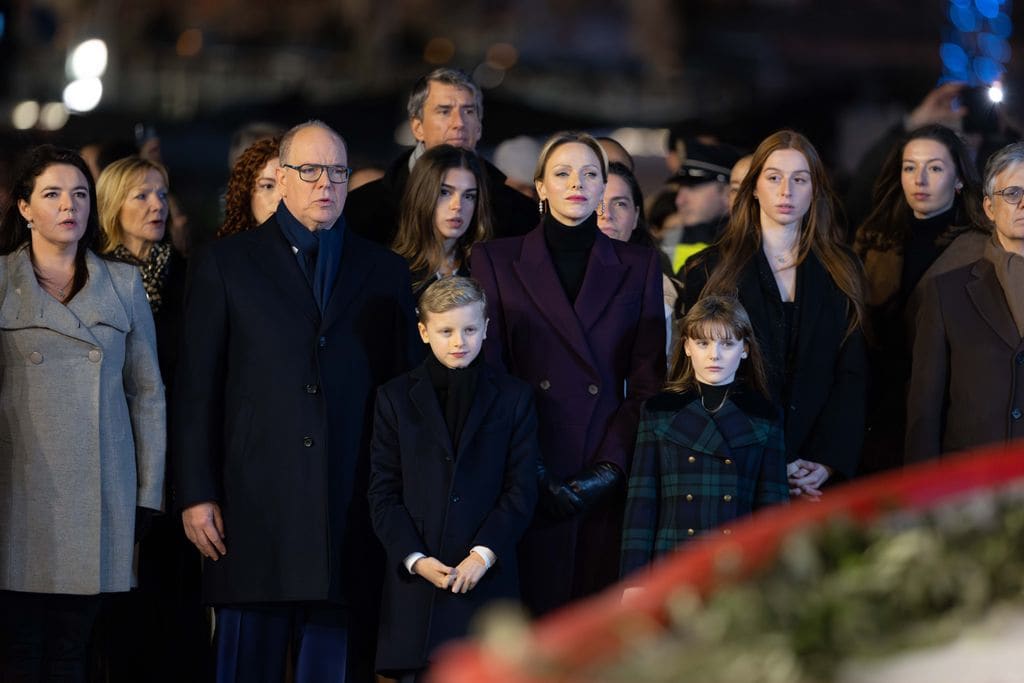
967	385
289	329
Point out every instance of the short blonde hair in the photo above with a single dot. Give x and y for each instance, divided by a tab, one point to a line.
112	191
449	293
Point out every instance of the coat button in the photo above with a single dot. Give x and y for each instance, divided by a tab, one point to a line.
691	459
448	458
1015	413
455	499
35	357
728	461
690	532
322	343
726	531
727	498
307	441
545	384
95	355
592	389
689	496
1019	358
312	388
792	407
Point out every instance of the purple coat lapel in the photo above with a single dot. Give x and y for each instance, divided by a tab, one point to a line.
536	272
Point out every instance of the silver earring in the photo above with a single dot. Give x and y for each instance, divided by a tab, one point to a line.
601	208
540	207
743	355
28	224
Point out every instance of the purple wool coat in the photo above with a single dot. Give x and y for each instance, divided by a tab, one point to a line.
590	365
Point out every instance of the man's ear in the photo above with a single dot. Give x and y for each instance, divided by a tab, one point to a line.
486	321
986	205
416	126
423	333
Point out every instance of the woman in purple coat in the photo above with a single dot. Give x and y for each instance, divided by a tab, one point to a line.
578	316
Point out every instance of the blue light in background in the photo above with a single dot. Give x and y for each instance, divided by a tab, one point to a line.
974	48
987	8
1001	25
2	25
987	69
953	57
963	18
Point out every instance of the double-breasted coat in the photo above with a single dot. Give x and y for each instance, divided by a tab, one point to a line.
590	363
967	382
273	412
429	496
823	393
82	431
695	471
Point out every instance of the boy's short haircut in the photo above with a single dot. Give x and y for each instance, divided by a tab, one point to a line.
448	293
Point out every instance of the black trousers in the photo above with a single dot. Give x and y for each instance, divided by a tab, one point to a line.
45	636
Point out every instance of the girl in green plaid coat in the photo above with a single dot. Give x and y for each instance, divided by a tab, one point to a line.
709	448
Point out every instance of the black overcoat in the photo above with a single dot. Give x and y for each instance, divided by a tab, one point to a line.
428	497
273	408
823	397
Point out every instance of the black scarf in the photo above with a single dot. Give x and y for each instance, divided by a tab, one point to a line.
154	270
455	389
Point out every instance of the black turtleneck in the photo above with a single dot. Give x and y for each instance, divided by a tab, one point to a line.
923	246
712	396
455	389
570	250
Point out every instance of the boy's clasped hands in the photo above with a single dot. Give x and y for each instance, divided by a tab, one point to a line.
460	579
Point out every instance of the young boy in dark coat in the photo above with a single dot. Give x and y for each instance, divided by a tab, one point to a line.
452	482
710	447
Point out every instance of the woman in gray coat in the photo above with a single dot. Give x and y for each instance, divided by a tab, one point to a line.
81	419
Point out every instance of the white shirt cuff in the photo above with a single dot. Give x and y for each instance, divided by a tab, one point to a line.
486	553
410	560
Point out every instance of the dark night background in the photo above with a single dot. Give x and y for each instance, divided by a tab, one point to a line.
840	71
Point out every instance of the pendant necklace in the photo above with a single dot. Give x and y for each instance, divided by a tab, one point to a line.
703	405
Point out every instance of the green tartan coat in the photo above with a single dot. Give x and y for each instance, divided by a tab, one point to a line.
694	471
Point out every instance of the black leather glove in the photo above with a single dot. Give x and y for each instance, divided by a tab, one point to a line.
596	483
556	500
143	521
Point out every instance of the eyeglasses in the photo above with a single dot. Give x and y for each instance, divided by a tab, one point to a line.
1011	195
312	172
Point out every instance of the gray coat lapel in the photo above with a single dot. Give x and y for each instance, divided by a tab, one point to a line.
27	305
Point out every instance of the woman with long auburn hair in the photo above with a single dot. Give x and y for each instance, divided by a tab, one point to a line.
782	254
445	210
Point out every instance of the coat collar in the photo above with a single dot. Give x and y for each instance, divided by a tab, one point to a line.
422	394
27	305
987	295
272	251
742	421
604	275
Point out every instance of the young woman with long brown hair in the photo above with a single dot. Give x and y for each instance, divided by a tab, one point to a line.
445	210
782	254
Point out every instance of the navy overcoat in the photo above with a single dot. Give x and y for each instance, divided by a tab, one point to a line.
429	497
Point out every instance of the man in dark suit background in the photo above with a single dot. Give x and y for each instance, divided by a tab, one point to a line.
289	329
445	107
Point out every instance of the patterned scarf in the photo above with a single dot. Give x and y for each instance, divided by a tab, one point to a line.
154	270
